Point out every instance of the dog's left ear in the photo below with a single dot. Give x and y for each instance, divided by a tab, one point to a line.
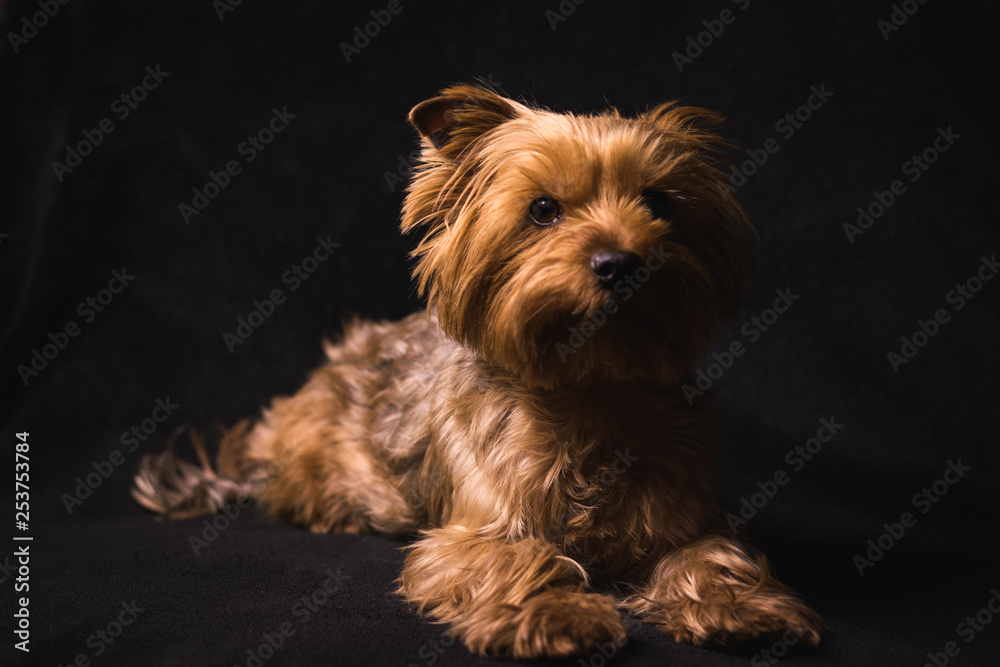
460	115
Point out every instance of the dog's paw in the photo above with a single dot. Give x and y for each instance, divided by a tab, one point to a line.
552	624
747	618
565	624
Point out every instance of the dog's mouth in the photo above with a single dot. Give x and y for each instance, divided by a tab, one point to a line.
614	316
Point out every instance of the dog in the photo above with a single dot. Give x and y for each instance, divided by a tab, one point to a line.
528	432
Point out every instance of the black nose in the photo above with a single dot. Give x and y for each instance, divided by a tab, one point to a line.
610	266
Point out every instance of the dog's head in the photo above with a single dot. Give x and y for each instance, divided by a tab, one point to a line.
569	248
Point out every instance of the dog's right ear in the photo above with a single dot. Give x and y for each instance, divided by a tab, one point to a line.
460	115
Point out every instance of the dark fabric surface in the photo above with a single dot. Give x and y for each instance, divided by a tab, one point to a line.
333	173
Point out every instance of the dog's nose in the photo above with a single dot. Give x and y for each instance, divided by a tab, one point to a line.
610	266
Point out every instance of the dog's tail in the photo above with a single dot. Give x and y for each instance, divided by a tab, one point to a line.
171	486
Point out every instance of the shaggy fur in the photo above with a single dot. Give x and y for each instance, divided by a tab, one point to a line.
529	429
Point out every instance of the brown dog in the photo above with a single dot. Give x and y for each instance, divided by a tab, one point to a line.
531	425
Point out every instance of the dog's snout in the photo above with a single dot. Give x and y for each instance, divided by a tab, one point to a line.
610	266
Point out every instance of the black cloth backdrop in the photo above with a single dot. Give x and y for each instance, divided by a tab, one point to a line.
281	139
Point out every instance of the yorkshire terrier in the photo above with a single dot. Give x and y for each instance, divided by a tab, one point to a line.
529	430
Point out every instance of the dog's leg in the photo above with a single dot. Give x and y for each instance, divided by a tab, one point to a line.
716	591
520	599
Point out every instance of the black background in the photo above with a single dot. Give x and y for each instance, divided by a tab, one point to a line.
325	175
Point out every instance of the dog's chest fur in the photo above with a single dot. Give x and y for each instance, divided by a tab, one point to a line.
465	443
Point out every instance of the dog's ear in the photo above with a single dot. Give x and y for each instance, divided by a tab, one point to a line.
692	129
460	115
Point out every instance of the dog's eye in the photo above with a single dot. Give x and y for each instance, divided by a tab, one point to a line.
544	210
658	204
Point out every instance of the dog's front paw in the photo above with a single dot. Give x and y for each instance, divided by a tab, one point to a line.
552	624
745	618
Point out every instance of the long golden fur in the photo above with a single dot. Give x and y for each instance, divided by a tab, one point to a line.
552	472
